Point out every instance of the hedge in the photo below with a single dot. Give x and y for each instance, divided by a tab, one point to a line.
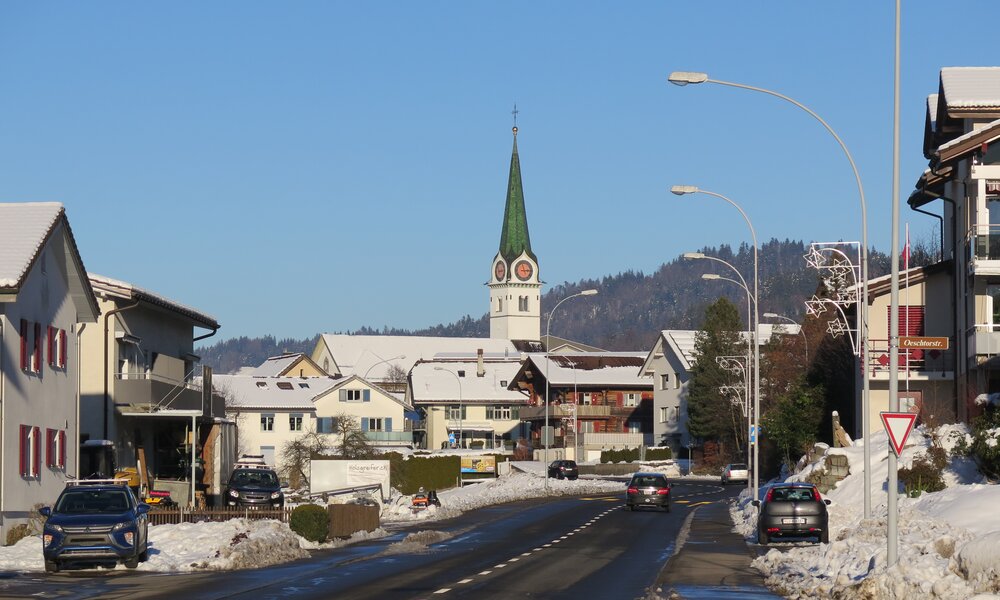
428	472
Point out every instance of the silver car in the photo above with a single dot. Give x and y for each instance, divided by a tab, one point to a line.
735	472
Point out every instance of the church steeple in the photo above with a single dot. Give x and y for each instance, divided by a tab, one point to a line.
514	238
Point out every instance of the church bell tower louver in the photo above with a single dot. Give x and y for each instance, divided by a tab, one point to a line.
515	288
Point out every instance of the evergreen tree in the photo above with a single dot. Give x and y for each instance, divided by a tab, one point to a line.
794	420
712	416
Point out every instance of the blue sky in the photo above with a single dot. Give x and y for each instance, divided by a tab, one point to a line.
294	168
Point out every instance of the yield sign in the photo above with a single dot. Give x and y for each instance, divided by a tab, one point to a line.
898	426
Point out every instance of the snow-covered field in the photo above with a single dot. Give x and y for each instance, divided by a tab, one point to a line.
242	543
949	541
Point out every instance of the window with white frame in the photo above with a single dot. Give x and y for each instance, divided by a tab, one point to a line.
587	397
498	413
267	422
522	303
677	381
665	381
456	412
634	427
55	449
30	451
663	414
586	427
376	424
630	399
295	422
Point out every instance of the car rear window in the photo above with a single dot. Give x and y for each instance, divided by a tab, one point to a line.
649	480
737	467
790	494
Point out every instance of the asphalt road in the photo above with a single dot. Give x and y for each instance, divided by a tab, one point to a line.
578	547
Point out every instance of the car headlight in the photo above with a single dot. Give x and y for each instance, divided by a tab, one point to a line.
46	540
122	525
275	495
129	537
234	493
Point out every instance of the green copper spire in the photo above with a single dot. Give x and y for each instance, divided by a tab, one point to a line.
514	238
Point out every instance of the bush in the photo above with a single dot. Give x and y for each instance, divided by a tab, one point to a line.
924	475
18	532
311	522
985	446
634	454
659	454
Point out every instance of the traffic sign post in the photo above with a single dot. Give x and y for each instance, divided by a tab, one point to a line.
898	426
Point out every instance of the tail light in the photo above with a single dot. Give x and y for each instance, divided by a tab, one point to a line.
663	491
811	529
770	495
816	495
633	490
772	529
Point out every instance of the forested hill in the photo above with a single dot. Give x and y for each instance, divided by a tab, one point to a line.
630	309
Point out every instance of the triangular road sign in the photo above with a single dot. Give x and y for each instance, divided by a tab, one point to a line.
898	426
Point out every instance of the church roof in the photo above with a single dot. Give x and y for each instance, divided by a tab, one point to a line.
514	238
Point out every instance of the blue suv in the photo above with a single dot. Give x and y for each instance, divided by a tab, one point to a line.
95	521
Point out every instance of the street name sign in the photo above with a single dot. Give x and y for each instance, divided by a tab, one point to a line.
898	425
923	343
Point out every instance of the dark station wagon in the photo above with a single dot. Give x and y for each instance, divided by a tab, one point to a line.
792	509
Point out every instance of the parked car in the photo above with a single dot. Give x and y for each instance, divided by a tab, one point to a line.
95	521
254	486
793	509
735	472
648	489
564	469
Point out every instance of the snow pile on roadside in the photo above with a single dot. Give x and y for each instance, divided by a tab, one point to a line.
509	488
233	544
939	555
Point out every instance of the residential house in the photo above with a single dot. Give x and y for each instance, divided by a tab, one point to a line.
382	416
140	389
596	400
669	364
961	135
45	298
290	365
466	402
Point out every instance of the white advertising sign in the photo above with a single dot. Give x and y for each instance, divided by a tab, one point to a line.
330	475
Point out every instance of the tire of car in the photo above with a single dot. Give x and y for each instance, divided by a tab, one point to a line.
824	537
51	566
629	507
132	562
666	507
723	481
762	538
559	475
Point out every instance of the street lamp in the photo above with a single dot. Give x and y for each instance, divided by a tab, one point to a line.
683	78
384	360
461	415
751	339
682	190
805	340
548	327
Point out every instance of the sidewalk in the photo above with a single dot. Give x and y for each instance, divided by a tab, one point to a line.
714	561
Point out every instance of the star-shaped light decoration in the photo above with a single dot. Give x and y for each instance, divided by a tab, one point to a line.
814	258
836	327
815	306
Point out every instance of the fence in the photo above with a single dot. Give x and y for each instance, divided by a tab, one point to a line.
167	516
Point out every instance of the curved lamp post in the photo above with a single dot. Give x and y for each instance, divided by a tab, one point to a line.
384	360
548	327
461	417
683	78
682	190
805	340
751	339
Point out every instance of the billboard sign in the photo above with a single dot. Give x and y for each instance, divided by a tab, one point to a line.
479	464
330	475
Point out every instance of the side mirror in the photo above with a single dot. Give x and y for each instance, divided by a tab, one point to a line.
828	503
755	502
45	511
142	508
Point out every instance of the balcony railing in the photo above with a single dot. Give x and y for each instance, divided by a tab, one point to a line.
984	339
912	360
612	440
149	392
402	437
557	411
984	242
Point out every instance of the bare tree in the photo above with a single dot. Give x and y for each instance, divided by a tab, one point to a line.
351	441
296	454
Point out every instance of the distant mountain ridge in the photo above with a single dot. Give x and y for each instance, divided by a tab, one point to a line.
631	308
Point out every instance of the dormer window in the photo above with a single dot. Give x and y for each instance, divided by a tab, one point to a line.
284	385
262	385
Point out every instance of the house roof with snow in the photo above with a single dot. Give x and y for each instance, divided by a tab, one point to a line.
25	229
429	385
606	369
283	364
341	382
113	288
680	342
271	393
372	356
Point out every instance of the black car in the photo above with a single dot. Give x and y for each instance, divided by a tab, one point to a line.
792	509
95	522
648	489
255	487
564	469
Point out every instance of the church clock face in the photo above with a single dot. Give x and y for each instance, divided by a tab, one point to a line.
523	270
499	270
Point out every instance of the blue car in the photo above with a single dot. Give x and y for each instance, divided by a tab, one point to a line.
95	522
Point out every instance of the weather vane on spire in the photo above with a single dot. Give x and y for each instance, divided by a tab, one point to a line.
514	112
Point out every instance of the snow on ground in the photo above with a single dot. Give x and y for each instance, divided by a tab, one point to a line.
949	541
243	543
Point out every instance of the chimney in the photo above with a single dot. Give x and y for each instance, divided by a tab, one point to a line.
480	370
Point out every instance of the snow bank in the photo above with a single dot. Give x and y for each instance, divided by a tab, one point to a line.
948	541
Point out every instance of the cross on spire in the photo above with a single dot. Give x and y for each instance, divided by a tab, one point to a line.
514	112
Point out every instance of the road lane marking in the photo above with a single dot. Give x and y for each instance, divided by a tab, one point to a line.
515	559
465	581
443	591
500	566
699	504
528	553
485	572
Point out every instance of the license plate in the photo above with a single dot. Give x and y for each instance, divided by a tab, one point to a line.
794	520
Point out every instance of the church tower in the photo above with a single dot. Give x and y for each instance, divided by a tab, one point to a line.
515	289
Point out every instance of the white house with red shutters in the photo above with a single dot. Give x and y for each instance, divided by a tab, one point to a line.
44	297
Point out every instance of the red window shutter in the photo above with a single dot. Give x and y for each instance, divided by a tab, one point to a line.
62	449
36	363
50	447
24	345
22	454
36	444
62	348
51	345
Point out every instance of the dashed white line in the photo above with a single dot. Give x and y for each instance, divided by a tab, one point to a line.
485	572
443	591
528	553
465	581
515	559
